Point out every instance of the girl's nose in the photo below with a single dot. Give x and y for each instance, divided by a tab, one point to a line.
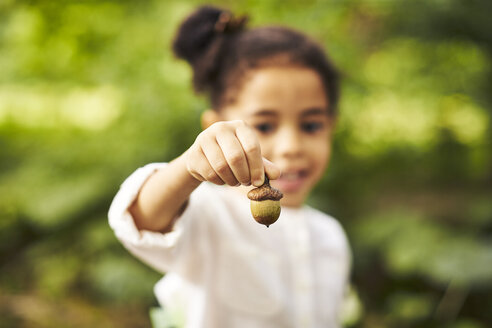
288	143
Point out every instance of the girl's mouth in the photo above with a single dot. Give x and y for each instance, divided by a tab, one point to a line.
290	181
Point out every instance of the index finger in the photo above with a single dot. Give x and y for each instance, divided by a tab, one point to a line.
251	146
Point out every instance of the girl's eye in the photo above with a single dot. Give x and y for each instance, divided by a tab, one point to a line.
264	127
311	127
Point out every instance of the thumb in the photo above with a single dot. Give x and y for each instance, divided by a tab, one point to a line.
271	170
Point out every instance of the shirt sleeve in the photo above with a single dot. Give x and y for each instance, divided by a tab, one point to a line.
177	250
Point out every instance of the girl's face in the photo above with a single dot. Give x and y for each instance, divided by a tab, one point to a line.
288	107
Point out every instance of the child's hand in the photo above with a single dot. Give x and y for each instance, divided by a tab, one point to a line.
229	153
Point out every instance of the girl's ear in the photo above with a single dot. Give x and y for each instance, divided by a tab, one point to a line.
208	118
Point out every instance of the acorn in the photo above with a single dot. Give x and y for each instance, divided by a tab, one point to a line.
265	203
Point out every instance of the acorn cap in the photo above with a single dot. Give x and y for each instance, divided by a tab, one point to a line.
265	192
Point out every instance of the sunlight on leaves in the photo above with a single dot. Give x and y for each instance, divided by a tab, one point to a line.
91	109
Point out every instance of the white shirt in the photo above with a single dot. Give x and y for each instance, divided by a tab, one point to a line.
226	270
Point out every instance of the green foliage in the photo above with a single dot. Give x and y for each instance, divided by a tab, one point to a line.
89	91
413	244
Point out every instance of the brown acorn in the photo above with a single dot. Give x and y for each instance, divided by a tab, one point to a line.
265	203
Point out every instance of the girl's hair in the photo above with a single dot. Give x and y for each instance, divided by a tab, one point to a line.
221	51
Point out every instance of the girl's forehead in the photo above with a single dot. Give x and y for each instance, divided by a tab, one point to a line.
285	88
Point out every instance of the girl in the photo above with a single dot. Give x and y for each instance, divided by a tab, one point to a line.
274	95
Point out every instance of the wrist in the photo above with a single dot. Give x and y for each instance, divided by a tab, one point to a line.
188	178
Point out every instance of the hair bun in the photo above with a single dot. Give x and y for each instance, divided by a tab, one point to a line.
197	33
200	41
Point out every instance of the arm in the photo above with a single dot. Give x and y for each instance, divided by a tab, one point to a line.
163	197
225	153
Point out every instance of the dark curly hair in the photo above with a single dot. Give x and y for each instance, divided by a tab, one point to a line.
221	51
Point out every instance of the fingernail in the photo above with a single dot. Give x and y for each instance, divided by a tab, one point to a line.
257	183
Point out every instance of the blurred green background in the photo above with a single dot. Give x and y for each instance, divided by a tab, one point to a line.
89	91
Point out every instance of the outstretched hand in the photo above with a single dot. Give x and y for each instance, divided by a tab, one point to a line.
229	153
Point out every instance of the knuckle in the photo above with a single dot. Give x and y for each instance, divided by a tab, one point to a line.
245	128
232	182
252	148
199	139
219	126
221	167
235	158
241	127
197	176
244	179
211	176
211	130
195	150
